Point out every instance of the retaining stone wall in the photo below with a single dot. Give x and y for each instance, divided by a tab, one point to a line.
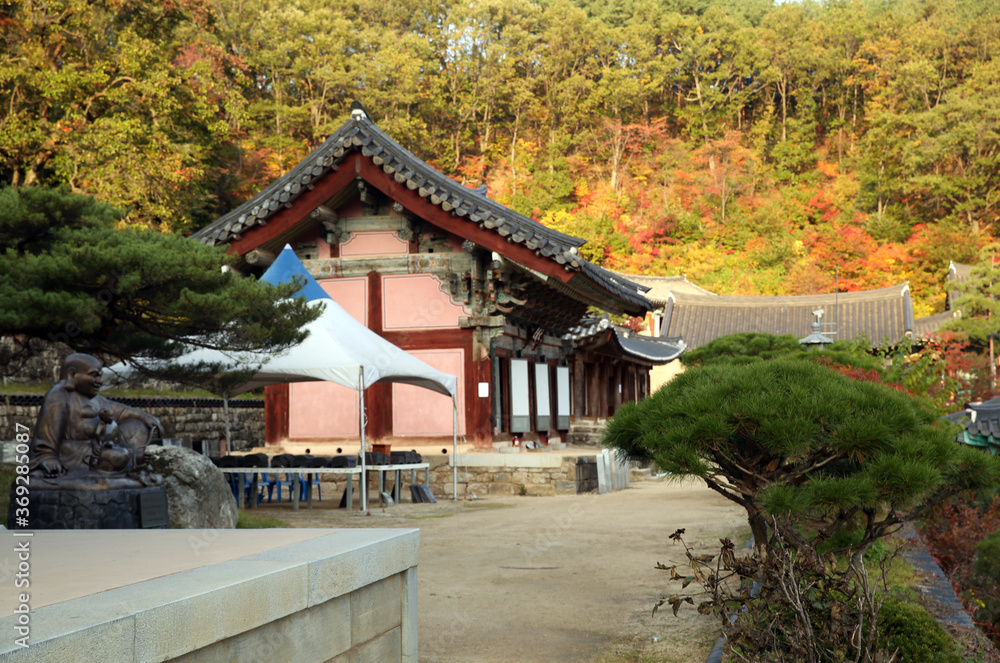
515	474
190	419
586	474
42	367
557	477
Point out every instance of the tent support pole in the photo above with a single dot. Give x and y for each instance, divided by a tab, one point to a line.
454	447
361	419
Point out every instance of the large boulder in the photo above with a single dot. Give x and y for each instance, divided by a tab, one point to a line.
198	494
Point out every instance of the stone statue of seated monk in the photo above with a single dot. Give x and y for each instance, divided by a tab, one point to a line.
85	441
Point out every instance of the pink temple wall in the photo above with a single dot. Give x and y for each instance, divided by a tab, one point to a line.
416	301
421	412
351	294
325	410
322	409
370	243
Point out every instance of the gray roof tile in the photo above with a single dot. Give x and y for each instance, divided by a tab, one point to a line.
628	343
394	159
880	314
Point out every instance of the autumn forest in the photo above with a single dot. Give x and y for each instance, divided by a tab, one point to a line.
756	147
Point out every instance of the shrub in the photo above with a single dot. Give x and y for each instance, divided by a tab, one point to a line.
983	594
910	631
824	466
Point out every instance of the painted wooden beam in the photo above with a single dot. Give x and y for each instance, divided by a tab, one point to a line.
286	218
260	258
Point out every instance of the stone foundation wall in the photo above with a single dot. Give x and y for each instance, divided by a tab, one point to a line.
482	475
42	367
506	474
586	474
190	419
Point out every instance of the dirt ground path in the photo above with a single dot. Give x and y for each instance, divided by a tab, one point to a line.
551	579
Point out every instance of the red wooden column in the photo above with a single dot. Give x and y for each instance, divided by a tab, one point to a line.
618	385
505	394
378	397
477	409
604	377
275	413
579	389
595	390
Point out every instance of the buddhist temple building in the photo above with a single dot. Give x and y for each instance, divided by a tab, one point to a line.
931	324
467	285
883	315
687	312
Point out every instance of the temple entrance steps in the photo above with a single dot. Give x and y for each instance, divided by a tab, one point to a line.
586	432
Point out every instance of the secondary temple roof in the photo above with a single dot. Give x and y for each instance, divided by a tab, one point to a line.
880	314
660	287
360	135
931	324
591	334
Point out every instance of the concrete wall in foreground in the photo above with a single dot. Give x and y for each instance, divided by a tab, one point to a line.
343	597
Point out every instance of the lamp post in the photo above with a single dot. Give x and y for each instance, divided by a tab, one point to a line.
816	340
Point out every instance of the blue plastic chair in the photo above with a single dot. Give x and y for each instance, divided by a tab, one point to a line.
268	481
247	485
305	485
291	480
288	481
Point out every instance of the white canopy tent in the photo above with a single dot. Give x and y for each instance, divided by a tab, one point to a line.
338	349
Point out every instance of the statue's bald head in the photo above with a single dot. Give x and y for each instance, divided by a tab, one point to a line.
80	362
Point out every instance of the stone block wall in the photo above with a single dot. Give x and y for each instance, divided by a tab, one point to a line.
190	419
480	475
483	475
586	473
41	367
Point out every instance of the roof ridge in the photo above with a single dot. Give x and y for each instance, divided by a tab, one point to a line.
754	300
360	133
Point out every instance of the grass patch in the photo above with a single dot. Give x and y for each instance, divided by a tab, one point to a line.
488	506
24	388
435	515
7	475
902	578
17	389
257	521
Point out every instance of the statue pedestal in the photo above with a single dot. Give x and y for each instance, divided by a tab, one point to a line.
114	508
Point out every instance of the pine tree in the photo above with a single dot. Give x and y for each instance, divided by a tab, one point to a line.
70	276
979	304
808	452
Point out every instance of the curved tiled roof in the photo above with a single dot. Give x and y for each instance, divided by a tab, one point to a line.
360	133
620	286
629	344
931	324
658	288
957	274
881	314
